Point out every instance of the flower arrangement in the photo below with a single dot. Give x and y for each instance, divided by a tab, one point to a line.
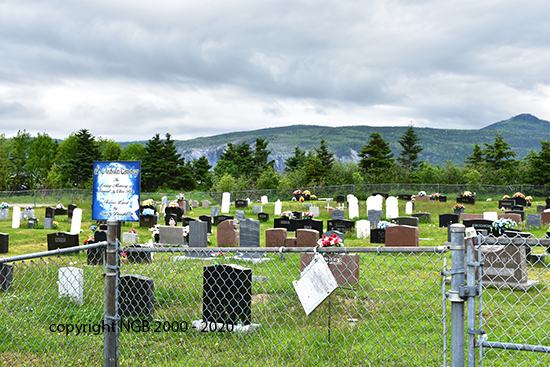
90	235
148	211
502	224
180	197
383	224
466	194
217	254
29	207
132	231
307	215
59	206
459	206
148	202
518	195
436	195
505	197
124	257
313	197
185	231
288	215
330	241
154	230
422	193
297	192
529	199
302	199
306	192
4	205
173	204
55	224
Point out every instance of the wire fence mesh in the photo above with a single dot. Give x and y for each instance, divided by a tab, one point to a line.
386	310
515	300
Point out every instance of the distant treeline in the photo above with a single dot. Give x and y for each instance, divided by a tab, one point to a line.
39	162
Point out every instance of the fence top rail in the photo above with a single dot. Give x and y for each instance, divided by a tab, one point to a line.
52	252
380	249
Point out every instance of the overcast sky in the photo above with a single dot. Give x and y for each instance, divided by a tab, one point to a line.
126	70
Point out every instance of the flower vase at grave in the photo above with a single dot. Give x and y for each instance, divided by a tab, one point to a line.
459	211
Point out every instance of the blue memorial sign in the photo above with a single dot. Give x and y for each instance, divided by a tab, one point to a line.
116	191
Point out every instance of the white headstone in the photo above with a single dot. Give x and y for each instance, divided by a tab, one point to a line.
163	205
392	207
371	203
315	211
278	207
409	208
71	283
490	215
226	198
265	201
363	228
353	207
16	219
379	202
77	220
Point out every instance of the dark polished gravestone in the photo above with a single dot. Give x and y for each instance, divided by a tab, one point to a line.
227	294
208	220
4	243
241	203
289	224
405	197
70	211
506	203
136	296
341	225
170	211
378	235
220	218
466	200
310	224
186	220
297	215
135	256
147	220
263	217
427	217
62	240
442	199
405	221
521	201
6	276
446	220
479	224
49	217
94	256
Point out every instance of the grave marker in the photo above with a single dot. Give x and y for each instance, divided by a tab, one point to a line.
257	209
533	220
250	237
505	266
363	228
71	284
228	233
226	198
136	296
392	207
278	208
16	217
77	220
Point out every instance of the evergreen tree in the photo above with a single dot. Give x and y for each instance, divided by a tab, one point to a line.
376	156
151	165
325	157
172	166
408	158
133	152
297	161
476	158
203	176
539	165
110	150
499	155
4	162
76	156
261	159
236	160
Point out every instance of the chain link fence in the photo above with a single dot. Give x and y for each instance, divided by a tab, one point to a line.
514	304
226	306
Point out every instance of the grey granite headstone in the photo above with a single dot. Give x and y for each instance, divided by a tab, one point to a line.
4	214
250	237
48	223
240	215
198	237
540	208
338	214
171	235
338	233
214	211
315	211
374	216
257	209
533	220
307	205
425	216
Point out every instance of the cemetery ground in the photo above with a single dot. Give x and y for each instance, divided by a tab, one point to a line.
385	303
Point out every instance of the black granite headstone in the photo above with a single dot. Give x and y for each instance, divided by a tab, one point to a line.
297	215
185	221
50	212
140	257
289	224
136	296
446	220
147	220
208	220
485	224
4	243
241	203
220	218
62	240
227	294
70	210
177	211
263	217
377	235
6	276
341	225
310	224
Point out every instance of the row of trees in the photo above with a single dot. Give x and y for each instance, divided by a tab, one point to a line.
41	162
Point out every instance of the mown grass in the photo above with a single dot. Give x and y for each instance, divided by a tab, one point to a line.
396	308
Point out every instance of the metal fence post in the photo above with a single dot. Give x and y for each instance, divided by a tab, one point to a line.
472	292
110	309
457	303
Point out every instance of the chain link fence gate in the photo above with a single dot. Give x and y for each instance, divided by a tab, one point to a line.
387	310
502	283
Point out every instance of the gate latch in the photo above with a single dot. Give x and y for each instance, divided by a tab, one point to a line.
468	291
